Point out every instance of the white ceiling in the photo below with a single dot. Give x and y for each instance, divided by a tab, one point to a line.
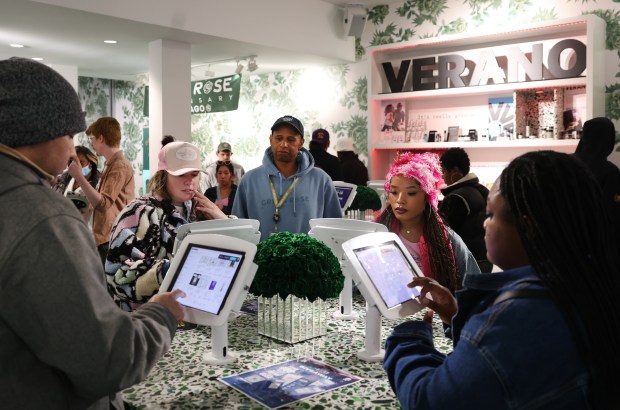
284	34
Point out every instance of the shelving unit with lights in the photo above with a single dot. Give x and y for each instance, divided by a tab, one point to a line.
463	81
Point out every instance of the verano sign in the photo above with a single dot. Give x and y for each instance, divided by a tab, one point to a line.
490	66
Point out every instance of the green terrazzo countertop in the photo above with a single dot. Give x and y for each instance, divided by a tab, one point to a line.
182	380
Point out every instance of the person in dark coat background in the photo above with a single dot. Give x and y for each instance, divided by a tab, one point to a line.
464	205
597	142
323	159
353	170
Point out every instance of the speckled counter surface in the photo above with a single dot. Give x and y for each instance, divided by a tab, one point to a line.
182	380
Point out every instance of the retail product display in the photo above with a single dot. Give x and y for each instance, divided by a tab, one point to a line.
482	83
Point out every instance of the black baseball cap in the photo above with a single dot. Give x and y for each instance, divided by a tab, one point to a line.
291	122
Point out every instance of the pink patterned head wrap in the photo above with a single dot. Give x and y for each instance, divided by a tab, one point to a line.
424	168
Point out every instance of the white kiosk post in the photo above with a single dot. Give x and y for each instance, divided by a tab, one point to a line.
372	336
334	232
381	268
246	233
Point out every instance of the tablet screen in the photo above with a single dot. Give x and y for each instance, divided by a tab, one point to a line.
206	275
343	194
390	272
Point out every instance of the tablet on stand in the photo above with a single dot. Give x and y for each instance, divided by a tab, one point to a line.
381	268
215	272
334	232
346	194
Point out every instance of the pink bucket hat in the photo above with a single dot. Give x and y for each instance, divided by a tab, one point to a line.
179	158
424	168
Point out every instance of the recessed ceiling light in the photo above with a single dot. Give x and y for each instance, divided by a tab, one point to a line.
110	41
17	45
37	58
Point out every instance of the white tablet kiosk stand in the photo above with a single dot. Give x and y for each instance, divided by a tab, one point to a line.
232	230
334	232
346	194
381	268
246	229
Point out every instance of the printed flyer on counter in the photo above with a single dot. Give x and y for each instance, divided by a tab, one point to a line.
285	383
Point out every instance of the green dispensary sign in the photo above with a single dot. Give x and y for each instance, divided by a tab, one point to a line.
216	94
212	95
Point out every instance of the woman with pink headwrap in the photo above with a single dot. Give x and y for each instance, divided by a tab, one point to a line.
412	187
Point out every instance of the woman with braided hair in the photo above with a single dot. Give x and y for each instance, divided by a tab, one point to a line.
545	332
412	187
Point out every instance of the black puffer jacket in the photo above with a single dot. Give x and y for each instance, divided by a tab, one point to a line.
463	209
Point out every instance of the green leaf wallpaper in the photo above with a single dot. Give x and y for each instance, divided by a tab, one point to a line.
336	97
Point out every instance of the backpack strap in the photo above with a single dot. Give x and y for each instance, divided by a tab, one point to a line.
521	293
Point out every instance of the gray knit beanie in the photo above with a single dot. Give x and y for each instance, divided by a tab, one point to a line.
36	104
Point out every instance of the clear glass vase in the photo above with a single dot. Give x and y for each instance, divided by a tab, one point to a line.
291	320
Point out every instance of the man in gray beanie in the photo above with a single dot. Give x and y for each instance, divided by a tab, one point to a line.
65	344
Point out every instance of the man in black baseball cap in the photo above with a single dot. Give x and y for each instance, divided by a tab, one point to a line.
287	190
290	121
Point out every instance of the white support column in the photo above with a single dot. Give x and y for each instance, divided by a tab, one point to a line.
169	94
70	73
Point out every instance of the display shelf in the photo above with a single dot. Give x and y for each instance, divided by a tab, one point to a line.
476	81
537	143
487	90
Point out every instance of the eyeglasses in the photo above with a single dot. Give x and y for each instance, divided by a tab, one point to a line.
223	163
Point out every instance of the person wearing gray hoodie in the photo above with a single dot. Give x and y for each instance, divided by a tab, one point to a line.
286	191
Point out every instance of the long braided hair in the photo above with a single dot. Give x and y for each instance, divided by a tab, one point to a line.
424	168
557	208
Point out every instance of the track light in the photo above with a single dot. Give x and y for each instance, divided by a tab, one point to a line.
252	66
209	73
239	68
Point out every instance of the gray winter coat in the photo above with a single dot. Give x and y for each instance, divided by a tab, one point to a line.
65	345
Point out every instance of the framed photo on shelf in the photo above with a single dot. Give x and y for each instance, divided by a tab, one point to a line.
393	121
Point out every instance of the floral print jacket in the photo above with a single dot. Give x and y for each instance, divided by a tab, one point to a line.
141	245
